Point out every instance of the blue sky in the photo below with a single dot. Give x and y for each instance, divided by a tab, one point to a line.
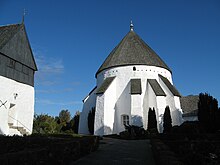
70	40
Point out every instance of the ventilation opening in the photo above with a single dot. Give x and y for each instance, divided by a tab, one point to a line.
134	68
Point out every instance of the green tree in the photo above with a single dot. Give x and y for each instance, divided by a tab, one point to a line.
152	121
64	117
91	120
208	112
167	121
45	124
75	122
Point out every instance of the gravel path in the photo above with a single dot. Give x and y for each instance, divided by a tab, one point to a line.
119	152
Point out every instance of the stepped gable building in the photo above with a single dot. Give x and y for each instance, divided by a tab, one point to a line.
132	79
17	68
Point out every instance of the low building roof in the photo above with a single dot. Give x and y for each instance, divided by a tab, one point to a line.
156	87
136	86
172	88
189	104
104	86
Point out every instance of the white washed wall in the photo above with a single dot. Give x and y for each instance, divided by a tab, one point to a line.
117	100
19	105
109	108
88	104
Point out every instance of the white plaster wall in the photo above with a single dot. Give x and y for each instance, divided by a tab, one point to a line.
123	106
123	97
161	105
22	112
152	99
174	103
99	115
136	110
109	107
88	104
124	103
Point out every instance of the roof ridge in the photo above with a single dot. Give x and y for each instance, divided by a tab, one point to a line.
10	25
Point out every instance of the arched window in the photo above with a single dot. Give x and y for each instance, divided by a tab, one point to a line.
124	120
134	68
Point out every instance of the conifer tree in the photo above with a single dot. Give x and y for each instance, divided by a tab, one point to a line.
167	121
152	121
208	112
91	120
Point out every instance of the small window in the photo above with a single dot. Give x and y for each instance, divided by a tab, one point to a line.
134	68
124	120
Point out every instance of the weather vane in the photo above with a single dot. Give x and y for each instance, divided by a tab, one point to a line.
24	13
131	26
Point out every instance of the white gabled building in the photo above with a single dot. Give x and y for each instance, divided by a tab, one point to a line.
17	68
132	79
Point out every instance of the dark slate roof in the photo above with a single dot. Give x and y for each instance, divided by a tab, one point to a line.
172	89
15	45
136	86
89	93
132	50
107	82
7	32
189	104
156	87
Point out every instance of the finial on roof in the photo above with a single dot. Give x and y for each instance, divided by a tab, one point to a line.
131	26
24	13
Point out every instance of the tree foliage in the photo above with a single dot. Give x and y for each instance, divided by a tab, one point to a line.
208	112
167	121
152	121
45	124
75	122
64	116
91	120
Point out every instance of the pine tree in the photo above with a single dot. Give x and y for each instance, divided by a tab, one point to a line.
208	112
91	120
152	121
167	121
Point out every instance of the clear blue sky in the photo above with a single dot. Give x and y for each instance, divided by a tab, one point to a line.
70	40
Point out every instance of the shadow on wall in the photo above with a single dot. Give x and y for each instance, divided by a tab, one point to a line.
1	133
104	130
122	106
176	117
136	120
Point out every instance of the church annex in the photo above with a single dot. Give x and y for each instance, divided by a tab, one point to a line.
132	79
17	68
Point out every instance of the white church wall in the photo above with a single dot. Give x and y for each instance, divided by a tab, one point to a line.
109	108
136	110
19	108
89	103
145	106
152	99
123	107
125	104
99	115
161	105
173	103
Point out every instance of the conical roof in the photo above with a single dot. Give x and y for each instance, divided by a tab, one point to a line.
132	50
